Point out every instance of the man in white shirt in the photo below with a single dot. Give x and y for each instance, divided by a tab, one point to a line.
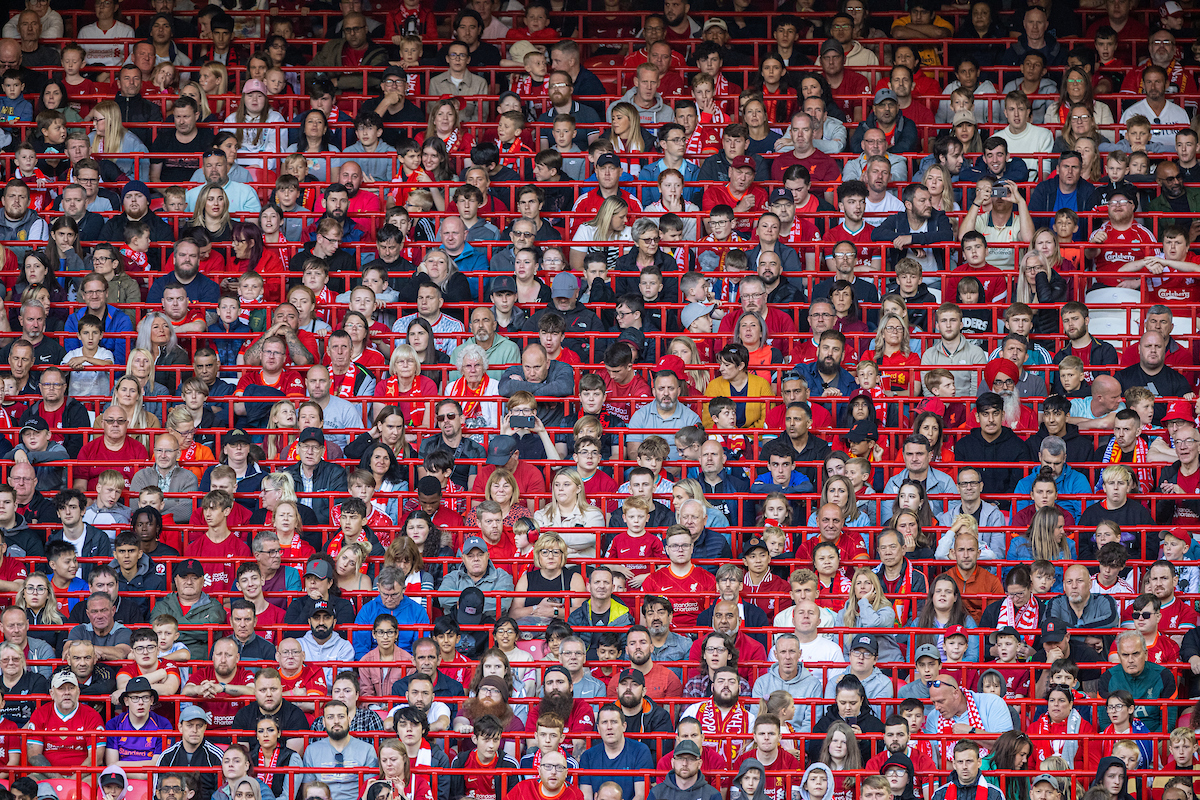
881	203
814	648
1022	136
1157	108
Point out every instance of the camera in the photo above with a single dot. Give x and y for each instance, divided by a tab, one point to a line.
999	190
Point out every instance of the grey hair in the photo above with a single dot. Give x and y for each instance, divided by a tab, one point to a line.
791	637
390	576
463	351
143	332
688	502
730	571
642	226
261	538
1124	637
1053	446
1159	309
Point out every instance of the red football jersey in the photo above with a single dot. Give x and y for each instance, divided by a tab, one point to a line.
62	741
625	549
1112	260
689	594
863	237
222	711
219	559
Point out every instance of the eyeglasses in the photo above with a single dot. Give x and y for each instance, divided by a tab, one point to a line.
54	385
170	790
386	632
355	29
649	239
149	648
554	767
970	484
754	295
276	552
559	85
549	551
456	55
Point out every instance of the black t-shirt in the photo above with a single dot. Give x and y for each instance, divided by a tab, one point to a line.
46	352
19	711
179	169
402	124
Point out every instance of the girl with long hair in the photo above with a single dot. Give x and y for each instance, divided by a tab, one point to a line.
64	252
431	540
255	109
1009	754
609	225
626	136
841	752
684	348
1088	146
944	608
1076	90
445	124
282	417
213	79
212	213
38	599
940	184
762	137
1045	539
778	95
420	337
110	136
867	606
568	507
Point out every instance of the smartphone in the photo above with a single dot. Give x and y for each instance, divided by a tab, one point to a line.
999	190
521	422
851	721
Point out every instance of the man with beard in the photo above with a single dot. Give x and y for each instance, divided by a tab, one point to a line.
419	695
219	684
360	207
321	643
269	702
135	207
335	760
897	736
919	224
897	129
826	375
490	702
617	758
1157	108
1123	231
723	715
657	615
994	442
551	781
336	205
666	413
639	649
562	101
200	288
642	715
559	701
482	779
1152	372
1175	197
1003	376
1092	351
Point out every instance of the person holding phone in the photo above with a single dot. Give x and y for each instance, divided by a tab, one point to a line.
1000	213
522	422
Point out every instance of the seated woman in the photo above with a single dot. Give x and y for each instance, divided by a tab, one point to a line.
502	488
1045	540
569	508
471	361
541	592
736	381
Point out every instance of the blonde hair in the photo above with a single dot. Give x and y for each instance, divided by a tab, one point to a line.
602	222
139	417
200	215
637	142
947	185
905	339
571	474
206	108
694	491
549	539
274	441
698	377
401	352
50	615
878	601
497	476
111	478
114	128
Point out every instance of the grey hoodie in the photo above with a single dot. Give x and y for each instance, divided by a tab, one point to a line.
669	790
804	685
804	795
735	789
659	112
877	685
113	770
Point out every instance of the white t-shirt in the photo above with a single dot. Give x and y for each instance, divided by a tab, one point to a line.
587	233
1031	141
878	212
110	55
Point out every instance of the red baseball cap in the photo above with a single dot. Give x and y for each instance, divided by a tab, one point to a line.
674	364
743	162
955	630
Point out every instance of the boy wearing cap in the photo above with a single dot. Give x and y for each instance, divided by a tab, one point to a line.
139	699
759	583
36	446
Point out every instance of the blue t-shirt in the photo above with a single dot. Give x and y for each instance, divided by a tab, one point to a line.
1062	201
625	770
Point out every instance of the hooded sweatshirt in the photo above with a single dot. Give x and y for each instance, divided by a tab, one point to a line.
804	795
803	685
1107	763
904	761
115	770
736	792
669	790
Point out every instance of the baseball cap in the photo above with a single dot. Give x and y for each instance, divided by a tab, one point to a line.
63	676
319	568
35	424
236	436
670	363
504	283
312	435
1007	630
223	22
474	543
1127	193
608	160
926	651
518	50
1046	777
189	566
394	71
781	195
1054	630
500	449
321	607
962	116
885	94
564	285
865	641
687	748
136	186
113	778
694	311
716	22
631	674
1179	410
956	630
195	712
1170	9
754	544
862	430
469	610
743	162
254	85
832	45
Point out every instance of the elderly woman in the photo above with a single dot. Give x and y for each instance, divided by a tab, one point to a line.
16	679
156	335
569	508
404	380
470	360
647	253
542	591
736	382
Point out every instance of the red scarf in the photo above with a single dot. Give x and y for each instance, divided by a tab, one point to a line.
343	385
460	390
945	724
274	762
1024	620
737	721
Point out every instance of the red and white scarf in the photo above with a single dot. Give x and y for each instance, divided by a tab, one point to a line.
264	764
461	390
712	724
945	726
1141	451
1026	619
537	757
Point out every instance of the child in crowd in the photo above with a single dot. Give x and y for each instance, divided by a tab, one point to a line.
1112	556
169	647
69	588
652	454
1174	544
14	107
107	512
724	418
634	542
88	382
137	246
